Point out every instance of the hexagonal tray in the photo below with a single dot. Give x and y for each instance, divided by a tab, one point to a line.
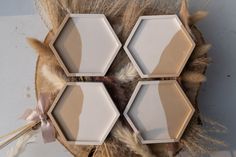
158	111
85	45
83	113
159	46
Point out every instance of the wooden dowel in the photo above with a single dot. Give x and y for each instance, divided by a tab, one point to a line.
24	130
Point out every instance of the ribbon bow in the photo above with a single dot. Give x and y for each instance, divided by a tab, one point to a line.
40	114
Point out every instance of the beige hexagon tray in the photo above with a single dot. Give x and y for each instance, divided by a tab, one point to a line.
83	113
159	46
85	45
158	111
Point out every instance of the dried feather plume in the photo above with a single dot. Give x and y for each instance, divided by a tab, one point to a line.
39	47
127	73
131	140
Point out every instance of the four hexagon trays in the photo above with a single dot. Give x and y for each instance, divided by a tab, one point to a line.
86	45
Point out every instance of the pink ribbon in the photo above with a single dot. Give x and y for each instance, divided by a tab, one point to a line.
40	114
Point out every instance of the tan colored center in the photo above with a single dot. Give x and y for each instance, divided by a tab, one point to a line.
68	111
69	47
173	55
171	99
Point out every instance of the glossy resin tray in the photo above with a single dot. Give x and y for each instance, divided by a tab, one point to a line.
85	45
158	111
159	46
83	113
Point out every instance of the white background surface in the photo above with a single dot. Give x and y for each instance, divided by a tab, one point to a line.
17	67
218	95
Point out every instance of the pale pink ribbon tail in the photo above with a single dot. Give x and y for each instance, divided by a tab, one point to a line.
48	132
39	114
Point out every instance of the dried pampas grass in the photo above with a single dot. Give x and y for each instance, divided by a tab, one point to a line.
189	20
127	73
131	140
197	139
50	75
197	16
200	62
193	77
21	144
200	51
132	12
43	14
184	15
51	11
39	47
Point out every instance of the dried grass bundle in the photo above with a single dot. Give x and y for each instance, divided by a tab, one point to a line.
131	140
197	139
53	11
132	12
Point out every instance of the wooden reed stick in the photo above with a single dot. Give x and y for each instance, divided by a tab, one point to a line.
14	131
21	131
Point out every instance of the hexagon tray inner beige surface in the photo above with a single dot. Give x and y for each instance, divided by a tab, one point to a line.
159	46
158	111
85	45
83	113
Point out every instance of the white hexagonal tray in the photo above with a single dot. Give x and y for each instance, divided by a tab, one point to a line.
85	45
158	111
83	113
159	46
